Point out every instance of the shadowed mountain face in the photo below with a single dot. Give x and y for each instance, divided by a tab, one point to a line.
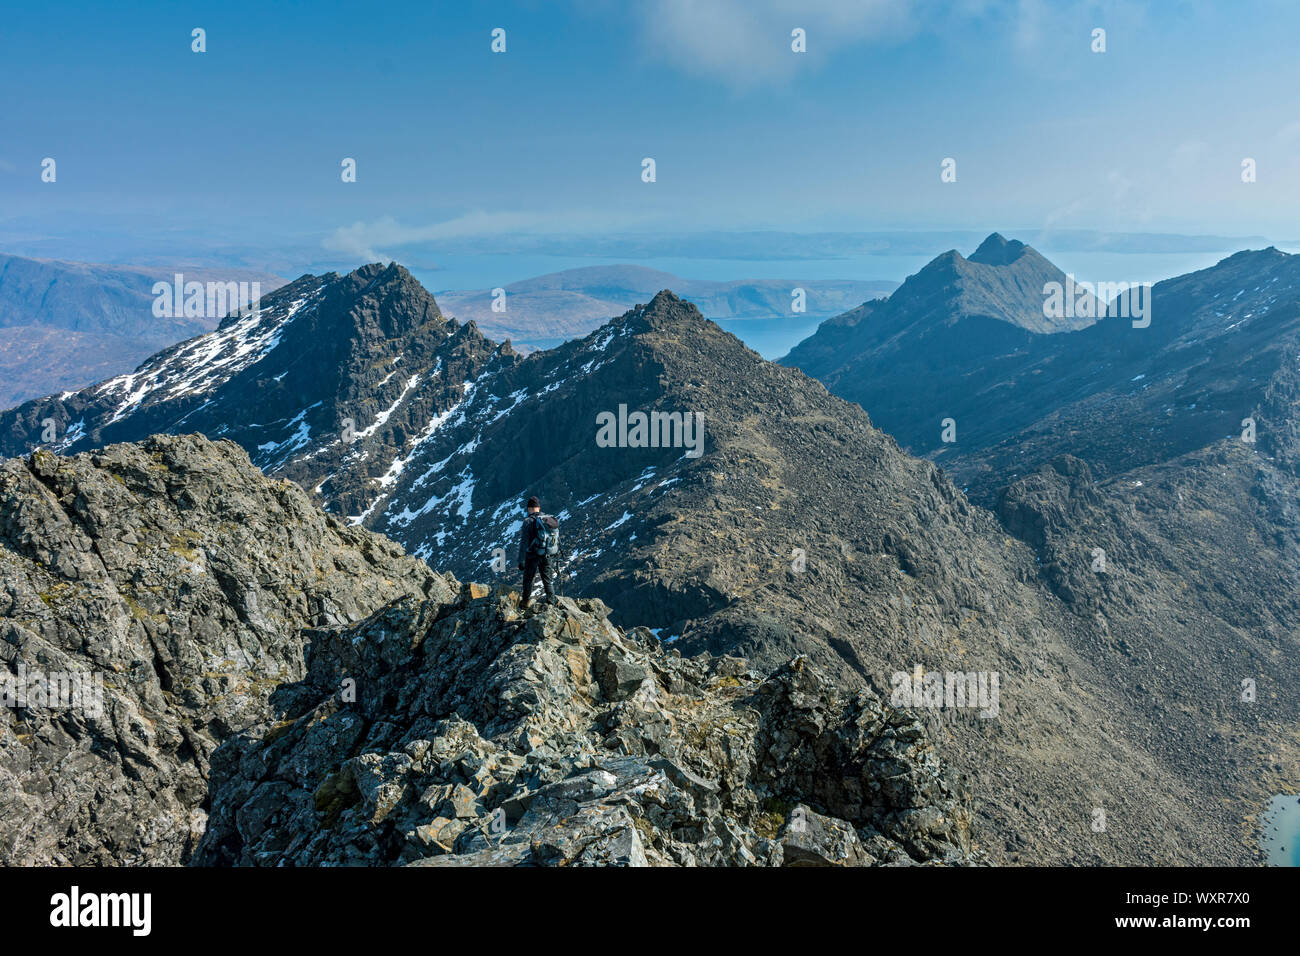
1111	393
331	377
1222	346
948	330
798	528
1154	472
65	324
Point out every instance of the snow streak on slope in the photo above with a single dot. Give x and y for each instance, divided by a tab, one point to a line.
205	362
437	499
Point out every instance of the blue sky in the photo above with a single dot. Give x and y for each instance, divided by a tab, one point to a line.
242	145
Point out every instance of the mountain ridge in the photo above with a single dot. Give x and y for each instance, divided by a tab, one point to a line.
333	371
267	698
802	529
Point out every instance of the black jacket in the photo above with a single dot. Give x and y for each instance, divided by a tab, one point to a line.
528	534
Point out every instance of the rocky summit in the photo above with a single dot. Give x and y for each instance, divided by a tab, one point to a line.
467	733
275	686
940	342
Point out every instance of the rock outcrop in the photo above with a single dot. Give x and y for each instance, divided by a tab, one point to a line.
468	733
172	583
268	685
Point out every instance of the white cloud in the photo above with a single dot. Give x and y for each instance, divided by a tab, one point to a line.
368	240
747	42
363	239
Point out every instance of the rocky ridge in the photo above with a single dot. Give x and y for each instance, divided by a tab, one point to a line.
473	734
224	613
184	579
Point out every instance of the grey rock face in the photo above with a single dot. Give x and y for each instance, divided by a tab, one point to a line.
811	839
476	735
277	687
182	580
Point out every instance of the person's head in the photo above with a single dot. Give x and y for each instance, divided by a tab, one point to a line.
533	505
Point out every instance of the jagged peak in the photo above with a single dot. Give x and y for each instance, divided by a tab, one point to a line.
665	299
665	310
375	274
997	250
386	297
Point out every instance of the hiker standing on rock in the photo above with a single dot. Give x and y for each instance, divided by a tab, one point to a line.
539	542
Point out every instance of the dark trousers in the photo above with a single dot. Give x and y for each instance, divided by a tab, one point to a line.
536	564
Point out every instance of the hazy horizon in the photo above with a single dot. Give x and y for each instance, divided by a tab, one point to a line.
235	152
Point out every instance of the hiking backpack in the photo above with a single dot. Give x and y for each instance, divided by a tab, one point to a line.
546	537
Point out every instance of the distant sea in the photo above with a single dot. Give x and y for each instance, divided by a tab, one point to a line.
773	337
